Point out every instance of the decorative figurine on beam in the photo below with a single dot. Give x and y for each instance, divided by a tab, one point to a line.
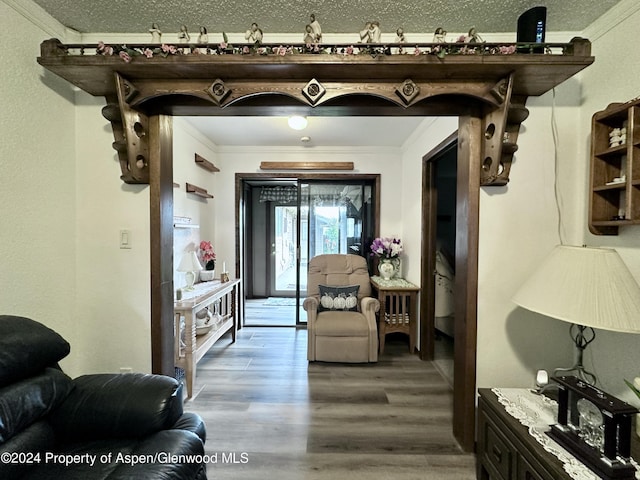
440	35
316	29
400	38
473	36
254	34
156	34
183	36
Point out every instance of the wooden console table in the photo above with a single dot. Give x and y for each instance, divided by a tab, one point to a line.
398	308
507	450
189	348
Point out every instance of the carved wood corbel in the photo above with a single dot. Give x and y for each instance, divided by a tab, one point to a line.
501	127
130	131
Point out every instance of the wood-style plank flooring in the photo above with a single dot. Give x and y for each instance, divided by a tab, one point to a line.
271	414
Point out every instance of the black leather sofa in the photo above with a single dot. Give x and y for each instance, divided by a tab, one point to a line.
106	426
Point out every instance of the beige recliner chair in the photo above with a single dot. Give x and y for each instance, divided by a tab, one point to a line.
338	334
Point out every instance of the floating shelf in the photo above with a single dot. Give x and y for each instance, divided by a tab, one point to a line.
185	225
206	164
201	192
306	165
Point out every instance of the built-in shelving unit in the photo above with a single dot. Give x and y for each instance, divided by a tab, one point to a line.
615	168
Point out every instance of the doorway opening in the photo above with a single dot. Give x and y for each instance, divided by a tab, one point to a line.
289	220
445	164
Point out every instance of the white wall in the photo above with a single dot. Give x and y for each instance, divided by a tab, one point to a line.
383	161
113	291
612	78
37	168
518	228
186	143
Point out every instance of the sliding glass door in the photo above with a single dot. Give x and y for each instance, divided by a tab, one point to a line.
288	222
334	217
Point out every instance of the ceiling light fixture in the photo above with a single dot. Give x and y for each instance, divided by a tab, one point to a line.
297	122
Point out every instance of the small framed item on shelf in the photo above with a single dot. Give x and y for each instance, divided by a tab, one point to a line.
595	427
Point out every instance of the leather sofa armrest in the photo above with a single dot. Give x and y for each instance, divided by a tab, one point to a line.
131	405
192	422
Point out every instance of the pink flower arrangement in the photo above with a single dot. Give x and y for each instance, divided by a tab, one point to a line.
104	49
508	49
169	49
208	255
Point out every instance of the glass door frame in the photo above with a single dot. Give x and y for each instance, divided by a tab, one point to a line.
243	178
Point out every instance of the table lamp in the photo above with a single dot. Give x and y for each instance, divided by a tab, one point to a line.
190	265
587	287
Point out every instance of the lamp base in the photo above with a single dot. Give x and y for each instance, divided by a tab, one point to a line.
190	278
581	336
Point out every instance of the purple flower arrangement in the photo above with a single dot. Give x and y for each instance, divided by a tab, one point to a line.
386	247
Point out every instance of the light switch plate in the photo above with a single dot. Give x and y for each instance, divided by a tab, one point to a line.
125	239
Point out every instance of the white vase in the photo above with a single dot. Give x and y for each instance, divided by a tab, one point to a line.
386	268
207	275
397	267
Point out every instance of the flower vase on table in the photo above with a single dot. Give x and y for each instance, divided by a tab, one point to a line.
209	260
386	268
387	249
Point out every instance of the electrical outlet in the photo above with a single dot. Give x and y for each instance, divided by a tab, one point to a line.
126	370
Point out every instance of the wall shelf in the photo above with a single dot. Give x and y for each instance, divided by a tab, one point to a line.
615	169
201	192
206	164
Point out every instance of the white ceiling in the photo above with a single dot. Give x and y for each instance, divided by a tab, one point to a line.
335	16
322	131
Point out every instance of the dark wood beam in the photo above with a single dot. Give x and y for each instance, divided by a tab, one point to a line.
534	74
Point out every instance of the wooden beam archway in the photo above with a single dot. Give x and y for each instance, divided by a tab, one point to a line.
485	88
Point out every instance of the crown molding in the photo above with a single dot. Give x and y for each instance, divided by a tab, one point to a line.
611	19
36	15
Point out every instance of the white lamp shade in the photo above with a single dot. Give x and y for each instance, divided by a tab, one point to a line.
189	263
586	286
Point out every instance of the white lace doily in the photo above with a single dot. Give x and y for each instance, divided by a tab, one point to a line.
538	413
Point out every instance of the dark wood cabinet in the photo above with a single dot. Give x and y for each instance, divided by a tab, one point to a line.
506	451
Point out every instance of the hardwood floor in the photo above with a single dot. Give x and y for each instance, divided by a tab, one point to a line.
271	414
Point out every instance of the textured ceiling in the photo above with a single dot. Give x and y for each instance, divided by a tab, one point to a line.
335	16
